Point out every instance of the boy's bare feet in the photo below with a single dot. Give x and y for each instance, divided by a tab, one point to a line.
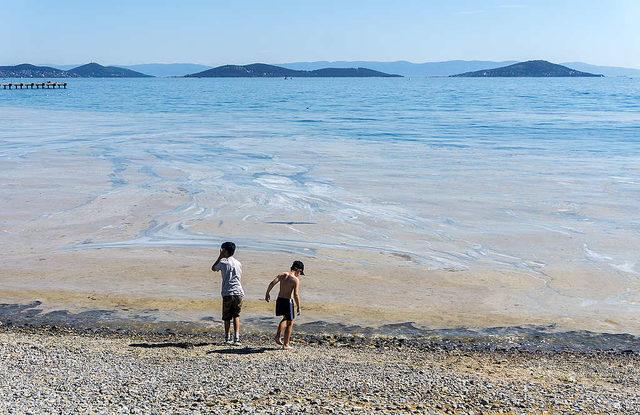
286	347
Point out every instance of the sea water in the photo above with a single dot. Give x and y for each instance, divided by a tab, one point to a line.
526	175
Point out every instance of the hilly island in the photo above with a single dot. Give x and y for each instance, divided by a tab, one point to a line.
261	70
90	70
94	70
530	69
26	70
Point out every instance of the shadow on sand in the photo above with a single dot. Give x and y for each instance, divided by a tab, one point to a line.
190	345
181	345
243	350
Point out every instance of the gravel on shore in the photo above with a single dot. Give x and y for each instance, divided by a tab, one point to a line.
64	373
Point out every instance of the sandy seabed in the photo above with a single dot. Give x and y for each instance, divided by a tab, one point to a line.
57	242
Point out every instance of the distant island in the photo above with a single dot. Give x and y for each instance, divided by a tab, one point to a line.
94	70
530	69
26	70
90	70
261	70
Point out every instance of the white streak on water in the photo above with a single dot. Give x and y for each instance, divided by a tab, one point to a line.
627	267
454	174
595	256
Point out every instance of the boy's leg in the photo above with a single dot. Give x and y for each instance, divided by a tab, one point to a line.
237	308
279	331
287	334
226	317
236	329
227	326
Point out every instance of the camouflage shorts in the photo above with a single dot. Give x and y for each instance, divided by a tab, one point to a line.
231	306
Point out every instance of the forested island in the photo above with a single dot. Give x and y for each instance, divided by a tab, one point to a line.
261	70
90	70
531	69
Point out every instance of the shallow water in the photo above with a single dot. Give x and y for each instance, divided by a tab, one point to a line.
528	338
533	176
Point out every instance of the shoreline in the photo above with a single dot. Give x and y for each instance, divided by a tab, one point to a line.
527	338
178	373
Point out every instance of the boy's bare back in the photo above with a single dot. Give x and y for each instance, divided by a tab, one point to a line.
288	283
289	287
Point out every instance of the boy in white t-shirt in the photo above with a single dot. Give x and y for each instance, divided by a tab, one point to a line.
232	293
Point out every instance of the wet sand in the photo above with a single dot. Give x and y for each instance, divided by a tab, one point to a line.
152	282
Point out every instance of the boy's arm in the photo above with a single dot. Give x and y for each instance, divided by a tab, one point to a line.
272	284
215	264
296	296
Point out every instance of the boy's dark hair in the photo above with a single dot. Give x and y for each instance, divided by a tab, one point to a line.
298	265
230	247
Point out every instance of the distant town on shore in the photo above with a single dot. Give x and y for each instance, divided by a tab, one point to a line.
341	69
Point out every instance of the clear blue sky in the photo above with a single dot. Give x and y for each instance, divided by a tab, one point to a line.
214	32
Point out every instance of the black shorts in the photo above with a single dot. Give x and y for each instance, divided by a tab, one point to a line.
284	308
231	306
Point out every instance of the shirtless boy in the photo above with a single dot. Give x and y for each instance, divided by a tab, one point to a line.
289	286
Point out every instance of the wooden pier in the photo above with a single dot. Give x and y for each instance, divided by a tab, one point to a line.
35	85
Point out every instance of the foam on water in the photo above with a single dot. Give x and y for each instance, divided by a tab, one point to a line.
452	174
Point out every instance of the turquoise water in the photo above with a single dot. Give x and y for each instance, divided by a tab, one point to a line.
520	174
573	115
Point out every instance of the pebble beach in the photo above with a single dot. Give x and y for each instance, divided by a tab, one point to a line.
56	371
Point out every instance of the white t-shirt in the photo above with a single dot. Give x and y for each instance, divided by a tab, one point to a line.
231	270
